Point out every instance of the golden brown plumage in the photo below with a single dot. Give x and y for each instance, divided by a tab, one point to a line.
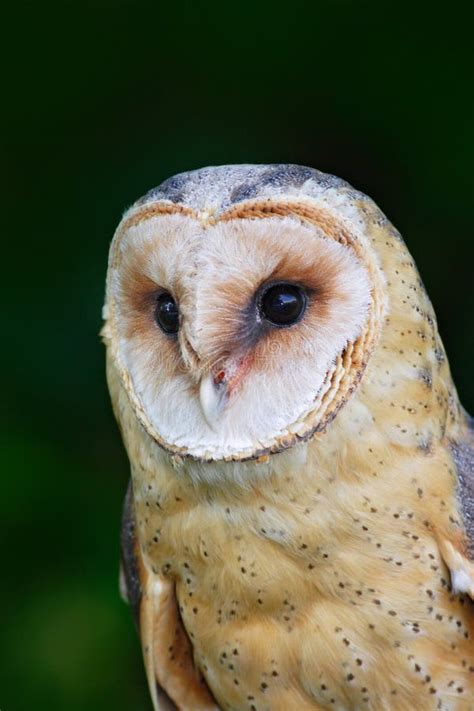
314	569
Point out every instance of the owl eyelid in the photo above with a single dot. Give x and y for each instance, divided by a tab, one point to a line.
159	291
265	285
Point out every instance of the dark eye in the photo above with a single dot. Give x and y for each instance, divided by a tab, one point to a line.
166	313
282	304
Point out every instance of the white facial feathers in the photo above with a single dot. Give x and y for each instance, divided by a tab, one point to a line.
228	384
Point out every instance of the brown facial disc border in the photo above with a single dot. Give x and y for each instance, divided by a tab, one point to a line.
349	367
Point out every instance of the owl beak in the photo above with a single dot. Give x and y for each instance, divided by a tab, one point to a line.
213	396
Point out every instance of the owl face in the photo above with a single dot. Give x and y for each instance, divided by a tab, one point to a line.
240	335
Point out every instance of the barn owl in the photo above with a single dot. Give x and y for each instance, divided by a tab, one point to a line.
299	528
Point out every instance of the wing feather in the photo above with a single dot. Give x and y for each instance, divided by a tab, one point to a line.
459	555
173	679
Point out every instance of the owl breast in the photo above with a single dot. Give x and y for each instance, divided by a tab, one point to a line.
289	608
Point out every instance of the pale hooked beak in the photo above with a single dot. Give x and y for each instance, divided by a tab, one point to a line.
213	396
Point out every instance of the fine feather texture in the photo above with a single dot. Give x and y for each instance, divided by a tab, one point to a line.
317	577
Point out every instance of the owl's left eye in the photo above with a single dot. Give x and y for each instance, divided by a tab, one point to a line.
282	304
167	313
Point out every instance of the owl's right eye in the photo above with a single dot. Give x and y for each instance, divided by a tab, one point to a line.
167	313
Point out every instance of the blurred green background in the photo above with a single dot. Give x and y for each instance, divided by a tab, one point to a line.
103	100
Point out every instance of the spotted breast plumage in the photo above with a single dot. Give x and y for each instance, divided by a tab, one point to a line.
299	528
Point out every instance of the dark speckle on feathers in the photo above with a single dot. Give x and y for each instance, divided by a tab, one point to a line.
226	185
128	555
244	191
277	175
463	455
170	189
289	175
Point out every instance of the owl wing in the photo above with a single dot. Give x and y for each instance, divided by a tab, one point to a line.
173	679
459	557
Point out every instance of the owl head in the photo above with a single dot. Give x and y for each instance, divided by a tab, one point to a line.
243	306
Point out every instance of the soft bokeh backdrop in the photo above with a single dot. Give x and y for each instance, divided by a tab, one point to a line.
103	100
